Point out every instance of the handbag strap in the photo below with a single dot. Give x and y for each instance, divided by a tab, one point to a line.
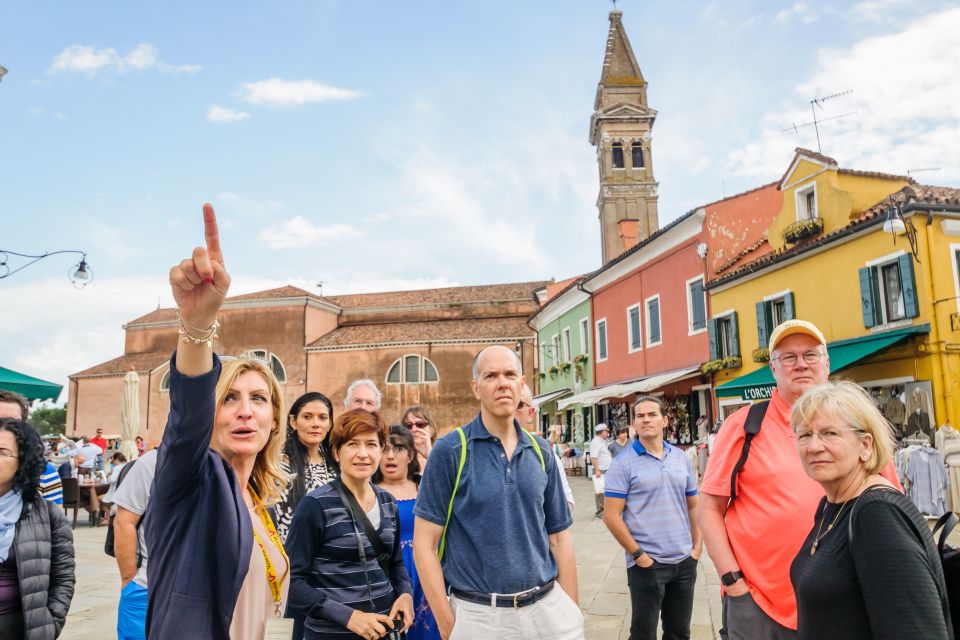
947	521
358	515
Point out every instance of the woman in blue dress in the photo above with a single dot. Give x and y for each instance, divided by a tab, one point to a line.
399	474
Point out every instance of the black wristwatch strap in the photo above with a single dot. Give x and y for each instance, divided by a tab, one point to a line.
637	554
730	577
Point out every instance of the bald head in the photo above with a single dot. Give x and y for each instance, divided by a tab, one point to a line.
480	358
526	395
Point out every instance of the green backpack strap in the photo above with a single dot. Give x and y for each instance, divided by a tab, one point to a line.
456	485
536	448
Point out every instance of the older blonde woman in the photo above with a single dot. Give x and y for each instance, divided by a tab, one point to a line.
217	566
877	576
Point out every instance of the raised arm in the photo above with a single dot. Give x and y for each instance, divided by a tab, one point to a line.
199	286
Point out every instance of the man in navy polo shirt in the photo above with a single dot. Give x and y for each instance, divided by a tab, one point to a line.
651	497
508	554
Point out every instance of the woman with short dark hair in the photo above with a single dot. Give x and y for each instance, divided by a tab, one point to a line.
36	543
399	474
340	584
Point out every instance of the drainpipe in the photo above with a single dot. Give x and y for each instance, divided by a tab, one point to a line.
938	362
593	407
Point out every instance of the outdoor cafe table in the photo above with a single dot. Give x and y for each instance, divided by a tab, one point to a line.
90	493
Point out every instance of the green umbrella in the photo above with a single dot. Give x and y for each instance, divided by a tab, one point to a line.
28	386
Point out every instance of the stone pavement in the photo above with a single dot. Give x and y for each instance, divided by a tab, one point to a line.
604	596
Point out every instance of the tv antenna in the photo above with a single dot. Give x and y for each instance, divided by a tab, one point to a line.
320	284
815	123
910	172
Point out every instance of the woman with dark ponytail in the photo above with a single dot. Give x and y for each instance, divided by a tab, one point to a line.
306	455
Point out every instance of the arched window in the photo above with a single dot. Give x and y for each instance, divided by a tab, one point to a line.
636	159
270	359
412	369
616	155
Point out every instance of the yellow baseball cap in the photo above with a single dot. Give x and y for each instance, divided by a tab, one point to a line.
793	327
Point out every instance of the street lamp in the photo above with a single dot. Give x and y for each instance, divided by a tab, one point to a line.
80	274
895	224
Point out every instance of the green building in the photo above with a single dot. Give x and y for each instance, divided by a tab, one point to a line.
564	361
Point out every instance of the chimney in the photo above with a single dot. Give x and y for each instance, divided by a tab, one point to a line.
628	229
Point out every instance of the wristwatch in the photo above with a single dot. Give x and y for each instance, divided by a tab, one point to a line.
637	554
730	577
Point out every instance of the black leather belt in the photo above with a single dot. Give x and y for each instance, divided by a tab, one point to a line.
516	601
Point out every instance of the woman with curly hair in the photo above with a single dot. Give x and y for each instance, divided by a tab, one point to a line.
36	544
217	567
306	456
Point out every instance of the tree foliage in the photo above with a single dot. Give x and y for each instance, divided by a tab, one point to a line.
49	421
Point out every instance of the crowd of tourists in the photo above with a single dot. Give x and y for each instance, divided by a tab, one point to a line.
252	522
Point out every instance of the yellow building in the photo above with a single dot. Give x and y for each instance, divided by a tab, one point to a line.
883	289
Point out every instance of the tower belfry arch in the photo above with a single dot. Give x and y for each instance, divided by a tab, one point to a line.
620	129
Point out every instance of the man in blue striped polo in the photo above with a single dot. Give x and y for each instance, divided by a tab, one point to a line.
650	499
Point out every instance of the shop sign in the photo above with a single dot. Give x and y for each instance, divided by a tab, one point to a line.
757	393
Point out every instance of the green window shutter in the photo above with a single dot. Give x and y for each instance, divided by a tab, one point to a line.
734	335
712	331
789	307
868	302
763	336
908	281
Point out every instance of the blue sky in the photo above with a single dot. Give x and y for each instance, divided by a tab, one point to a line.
387	145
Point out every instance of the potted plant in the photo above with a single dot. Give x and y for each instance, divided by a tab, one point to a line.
553	371
579	361
732	362
565	367
712	366
803	229
761	355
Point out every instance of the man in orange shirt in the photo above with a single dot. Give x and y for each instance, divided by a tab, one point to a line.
754	538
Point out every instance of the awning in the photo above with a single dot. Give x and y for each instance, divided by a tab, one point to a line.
759	384
624	389
28	386
547	397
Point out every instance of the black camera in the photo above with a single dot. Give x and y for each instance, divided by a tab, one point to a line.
397	633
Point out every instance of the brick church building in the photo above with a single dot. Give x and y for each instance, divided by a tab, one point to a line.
416	345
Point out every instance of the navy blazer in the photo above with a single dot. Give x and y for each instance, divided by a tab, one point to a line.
197	527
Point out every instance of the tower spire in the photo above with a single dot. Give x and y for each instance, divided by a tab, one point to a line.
620	128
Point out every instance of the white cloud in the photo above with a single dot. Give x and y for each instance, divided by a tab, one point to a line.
217	113
800	12
300	232
238	204
90	61
906	98
878	11
286	93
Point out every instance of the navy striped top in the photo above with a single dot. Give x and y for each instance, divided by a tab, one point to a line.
327	581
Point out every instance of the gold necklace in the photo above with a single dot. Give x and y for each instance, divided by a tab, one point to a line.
818	538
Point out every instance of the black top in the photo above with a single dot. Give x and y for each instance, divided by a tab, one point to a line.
882	585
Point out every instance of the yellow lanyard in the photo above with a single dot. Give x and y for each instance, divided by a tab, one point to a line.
275	584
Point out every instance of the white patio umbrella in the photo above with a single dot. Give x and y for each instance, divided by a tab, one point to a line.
130	409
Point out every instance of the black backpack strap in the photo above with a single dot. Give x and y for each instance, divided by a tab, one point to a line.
383	558
751	427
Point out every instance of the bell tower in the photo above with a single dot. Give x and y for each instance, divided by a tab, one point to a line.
620	130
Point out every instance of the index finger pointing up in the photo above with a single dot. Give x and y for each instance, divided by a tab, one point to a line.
211	233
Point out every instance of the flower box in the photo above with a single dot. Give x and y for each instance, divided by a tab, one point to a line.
803	229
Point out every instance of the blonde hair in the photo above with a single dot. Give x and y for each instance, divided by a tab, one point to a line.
267	478
851	403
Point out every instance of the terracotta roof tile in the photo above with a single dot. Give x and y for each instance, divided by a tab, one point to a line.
876	174
434	330
139	362
288	291
454	295
914	193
